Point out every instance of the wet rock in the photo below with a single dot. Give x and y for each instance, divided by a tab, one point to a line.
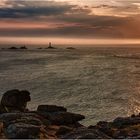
14	100
28	118
51	108
84	133
105	127
125	122
63	130
62	118
75	125
6	118
22	130
130	131
52	129
23	125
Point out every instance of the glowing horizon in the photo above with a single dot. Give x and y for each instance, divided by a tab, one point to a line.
67	41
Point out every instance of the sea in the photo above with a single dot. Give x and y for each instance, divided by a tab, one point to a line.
101	83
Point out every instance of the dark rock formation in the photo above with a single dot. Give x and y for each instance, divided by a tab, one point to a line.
40	48
16	48
13	48
54	122
3	48
50	47
62	118
84	133
70	48
51	108
14	100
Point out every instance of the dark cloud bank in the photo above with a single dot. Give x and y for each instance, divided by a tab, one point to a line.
70	20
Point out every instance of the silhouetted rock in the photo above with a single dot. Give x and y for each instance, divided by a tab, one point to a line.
84	133
13	48
51	108
14	100
62	118
104	127
63	130
124	122
70	48
50	47
3	48
39	48
7	118
22	131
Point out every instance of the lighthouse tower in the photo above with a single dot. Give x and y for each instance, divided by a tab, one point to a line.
50	45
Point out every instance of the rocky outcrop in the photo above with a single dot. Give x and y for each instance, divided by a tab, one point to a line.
55	122
70	48
51	108
13	48
18	48
14	100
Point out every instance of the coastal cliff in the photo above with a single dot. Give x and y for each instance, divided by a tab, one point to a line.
55	122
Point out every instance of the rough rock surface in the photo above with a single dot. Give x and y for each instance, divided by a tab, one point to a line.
54	122
14	100
51	108
62	118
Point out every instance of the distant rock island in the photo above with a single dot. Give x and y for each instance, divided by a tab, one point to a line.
55	122
20	48
13	48
40	48
70	48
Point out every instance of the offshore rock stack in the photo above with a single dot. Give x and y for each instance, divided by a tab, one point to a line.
54	122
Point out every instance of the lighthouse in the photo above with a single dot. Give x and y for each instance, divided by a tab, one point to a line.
50	46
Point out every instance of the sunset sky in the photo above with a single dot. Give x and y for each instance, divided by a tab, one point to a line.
70	21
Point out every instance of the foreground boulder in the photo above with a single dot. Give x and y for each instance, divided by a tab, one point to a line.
62	118
58	115
14	100
84	133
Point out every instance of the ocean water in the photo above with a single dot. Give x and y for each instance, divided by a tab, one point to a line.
100	83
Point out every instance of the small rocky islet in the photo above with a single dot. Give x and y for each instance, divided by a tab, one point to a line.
55	122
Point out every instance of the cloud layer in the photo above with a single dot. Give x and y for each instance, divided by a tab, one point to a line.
49	18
